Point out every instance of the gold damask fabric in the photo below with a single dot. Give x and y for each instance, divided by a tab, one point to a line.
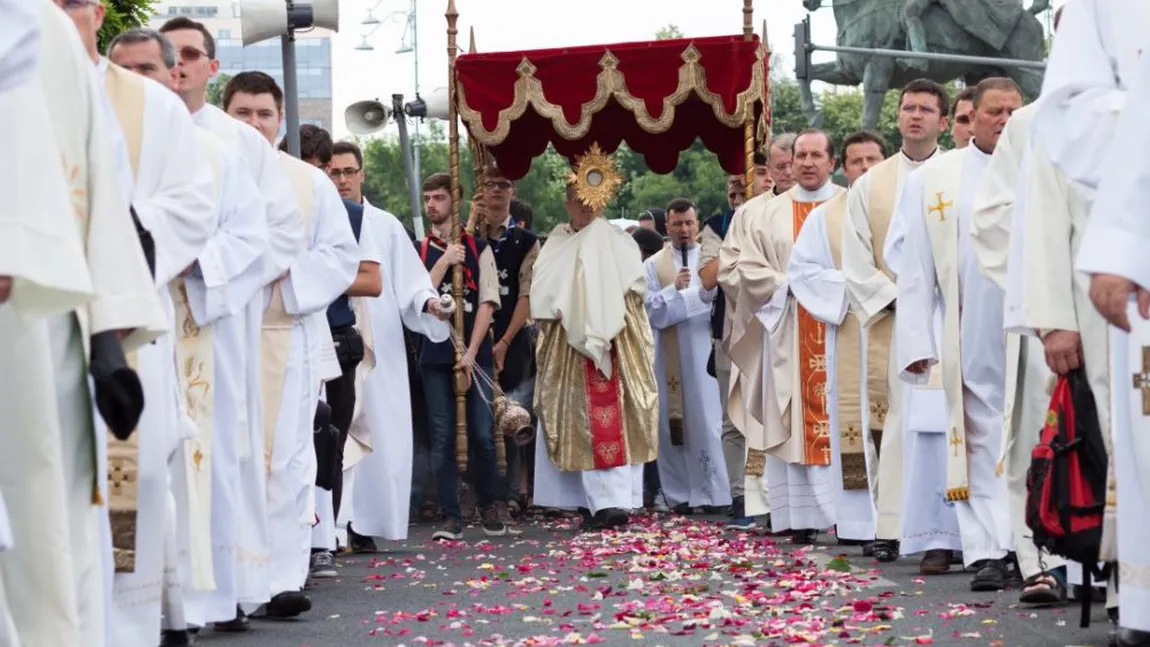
560	400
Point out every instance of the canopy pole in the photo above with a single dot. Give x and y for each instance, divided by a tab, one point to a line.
461	385
749	126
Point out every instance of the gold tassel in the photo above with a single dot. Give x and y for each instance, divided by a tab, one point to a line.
958	494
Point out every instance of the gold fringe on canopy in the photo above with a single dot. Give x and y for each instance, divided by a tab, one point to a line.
613	85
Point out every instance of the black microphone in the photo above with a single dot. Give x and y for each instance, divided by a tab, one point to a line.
683	249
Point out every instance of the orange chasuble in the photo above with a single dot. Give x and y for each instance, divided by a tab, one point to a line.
812	340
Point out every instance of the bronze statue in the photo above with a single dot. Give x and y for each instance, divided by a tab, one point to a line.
989	28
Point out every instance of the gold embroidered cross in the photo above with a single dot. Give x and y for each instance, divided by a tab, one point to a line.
940	207
197	458
955	440
852	435
1142	380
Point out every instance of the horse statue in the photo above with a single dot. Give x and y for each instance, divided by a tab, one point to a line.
989	28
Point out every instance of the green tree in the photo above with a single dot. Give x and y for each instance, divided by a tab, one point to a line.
668	32
216	89
122	15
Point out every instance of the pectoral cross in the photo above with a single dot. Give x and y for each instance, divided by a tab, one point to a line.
1142	380
955	440
940	207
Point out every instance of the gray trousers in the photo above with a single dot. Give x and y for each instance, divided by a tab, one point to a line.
734	443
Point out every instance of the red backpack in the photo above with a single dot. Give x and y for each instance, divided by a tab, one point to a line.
1066	482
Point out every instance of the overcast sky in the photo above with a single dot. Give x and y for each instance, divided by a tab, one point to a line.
508	25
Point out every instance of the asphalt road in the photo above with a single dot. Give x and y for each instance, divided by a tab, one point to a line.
668	581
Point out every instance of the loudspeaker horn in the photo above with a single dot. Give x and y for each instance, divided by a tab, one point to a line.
366	117
262	19
437	105
325	13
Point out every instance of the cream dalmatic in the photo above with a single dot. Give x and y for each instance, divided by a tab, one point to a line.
869	277
73	277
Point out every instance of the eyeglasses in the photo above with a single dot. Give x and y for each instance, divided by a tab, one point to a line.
190	54
498	184
343	172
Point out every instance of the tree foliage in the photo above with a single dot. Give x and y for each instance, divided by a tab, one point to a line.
122	15
697	177
216	89
668	32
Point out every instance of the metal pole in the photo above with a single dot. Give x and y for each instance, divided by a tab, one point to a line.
415	53
412	176
291	93
931	56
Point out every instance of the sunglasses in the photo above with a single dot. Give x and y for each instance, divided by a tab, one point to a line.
190	54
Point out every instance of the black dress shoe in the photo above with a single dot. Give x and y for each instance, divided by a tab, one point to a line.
360	544
174	638
805	537
1133	638
288	604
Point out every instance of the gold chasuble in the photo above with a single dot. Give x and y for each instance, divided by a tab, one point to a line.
848	363
275	334
666	269
126	94
596	393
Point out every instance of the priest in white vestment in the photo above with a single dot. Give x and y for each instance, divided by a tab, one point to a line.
300	299
815	278
173	199
691	466
788	372
940	199
286	234
1112	251
66	277
595	391
869	278
997	237
216	291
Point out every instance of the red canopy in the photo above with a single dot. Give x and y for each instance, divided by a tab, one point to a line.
659	96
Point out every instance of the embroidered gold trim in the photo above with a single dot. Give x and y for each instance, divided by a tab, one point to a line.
611	84
756	462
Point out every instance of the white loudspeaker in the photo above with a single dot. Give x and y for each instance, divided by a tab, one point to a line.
325	13
262	19
366	117
437	105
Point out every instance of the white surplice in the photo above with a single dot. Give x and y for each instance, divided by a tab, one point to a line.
285	240
228	275
380	500
978	344
695	472
316	278
1112	244
871	290
819	288
1093	59
63	224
